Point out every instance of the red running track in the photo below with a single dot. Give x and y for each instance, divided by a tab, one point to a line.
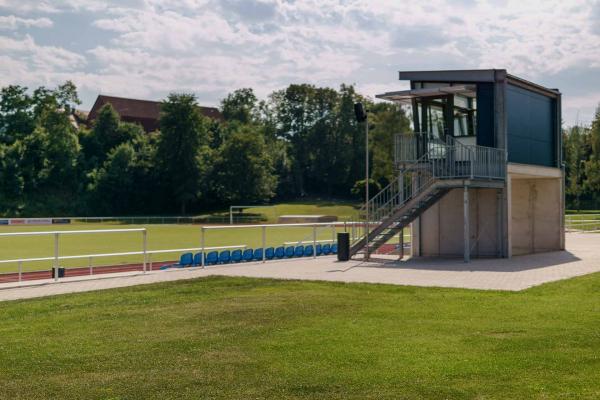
80	271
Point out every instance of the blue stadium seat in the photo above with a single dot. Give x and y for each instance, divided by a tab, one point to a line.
224	257
197	259
318	250
308	251
212	257
334	248
280	252
299	251
269	253
289	252
185	260
326	249
247	255
236	256
258	254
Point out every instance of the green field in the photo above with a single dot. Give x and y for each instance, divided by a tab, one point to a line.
238	338
584	220
343	210
159	237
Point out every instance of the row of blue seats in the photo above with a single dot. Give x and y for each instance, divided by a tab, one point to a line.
227	256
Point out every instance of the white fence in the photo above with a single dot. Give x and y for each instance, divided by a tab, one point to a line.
583	222
58	234
324	232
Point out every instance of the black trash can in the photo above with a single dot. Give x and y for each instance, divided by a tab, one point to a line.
61	272
343	239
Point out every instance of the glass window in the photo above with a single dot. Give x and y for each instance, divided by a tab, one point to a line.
464	116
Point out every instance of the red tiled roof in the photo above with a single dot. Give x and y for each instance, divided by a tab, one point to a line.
144	112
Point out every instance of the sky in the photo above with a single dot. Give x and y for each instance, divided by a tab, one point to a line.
149	48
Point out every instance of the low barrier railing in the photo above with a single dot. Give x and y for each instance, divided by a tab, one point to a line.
91	257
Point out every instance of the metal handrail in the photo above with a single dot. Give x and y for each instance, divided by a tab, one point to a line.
439	160
124	253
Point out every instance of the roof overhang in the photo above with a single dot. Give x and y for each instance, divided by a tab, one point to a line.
405	96
465	75
476	76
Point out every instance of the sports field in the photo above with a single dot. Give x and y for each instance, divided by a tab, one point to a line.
162	236
239	338
159	237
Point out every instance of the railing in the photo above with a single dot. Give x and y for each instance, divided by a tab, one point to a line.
90	257
583	222
409	147
449	159
397	193
422	162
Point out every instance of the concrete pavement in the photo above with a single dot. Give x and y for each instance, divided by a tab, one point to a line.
581	257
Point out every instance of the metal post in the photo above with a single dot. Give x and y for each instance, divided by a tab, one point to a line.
20	270
55	268
202	246
401	244
467	248
333	233
90	265
353	231
367	188
264	243
145	237
315	241
230	215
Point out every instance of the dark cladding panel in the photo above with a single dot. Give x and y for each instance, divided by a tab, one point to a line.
531	131
485	114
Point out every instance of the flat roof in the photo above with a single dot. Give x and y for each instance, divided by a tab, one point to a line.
475	76
407	95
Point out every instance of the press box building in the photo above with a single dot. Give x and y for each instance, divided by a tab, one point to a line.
481	175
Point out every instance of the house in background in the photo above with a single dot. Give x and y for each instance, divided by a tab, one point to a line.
482	173
144	112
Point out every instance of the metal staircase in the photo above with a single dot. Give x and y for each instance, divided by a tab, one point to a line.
421	182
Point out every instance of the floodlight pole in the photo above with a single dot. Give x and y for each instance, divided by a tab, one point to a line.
367	187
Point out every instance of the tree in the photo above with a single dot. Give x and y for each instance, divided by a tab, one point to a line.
16	114
359	189
575	149
12	182
387	120
113	184
240	106
183	132
108	132
592	165
244	168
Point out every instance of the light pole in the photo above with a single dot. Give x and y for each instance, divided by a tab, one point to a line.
361	116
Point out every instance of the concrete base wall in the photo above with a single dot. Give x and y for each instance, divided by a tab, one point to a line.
536	215
441	228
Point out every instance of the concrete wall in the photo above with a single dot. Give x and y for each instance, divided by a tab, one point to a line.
440	228
536	215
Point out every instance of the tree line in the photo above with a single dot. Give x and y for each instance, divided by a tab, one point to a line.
300	141
582	165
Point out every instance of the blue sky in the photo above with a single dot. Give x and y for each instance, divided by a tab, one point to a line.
148	48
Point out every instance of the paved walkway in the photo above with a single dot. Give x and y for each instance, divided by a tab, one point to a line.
582	257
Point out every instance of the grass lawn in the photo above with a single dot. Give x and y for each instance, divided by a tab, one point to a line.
345	211
238	338
585	220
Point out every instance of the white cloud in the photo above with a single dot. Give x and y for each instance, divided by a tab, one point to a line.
150	47
11	22
26	62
